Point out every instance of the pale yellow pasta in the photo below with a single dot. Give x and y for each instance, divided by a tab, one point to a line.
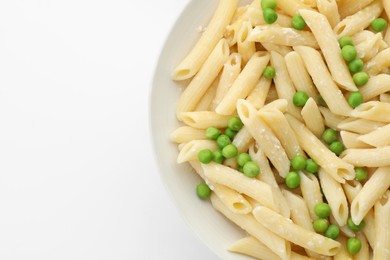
244	83
279	246
384	98
373	189
333	165
344	230
373	110
283	84
206	102
364	253
386	5
330	9
360	20
299	213
327	40
331	120
370	47
232	30
191	149
335	196
202	81
282	130
245	47
349	7
382	227
209	39
272	94
352	189
231	70
361	37
369	228
259	157
375	157
323	81
299	75
242	141
359	126
351	140
342	254
291	7
255	17
264	137
375	86
282	50
311	192
377	138
378	63
312	117
259	94
278	104
204	119
387	36
282	36
294	233
186	134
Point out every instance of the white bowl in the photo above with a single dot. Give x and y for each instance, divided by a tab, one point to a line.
210	226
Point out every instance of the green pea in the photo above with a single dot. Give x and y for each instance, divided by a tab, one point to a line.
300	98
360	78
356	65
353	245
355	99
293	180
361	174
270	16
229	151
298	162
205	156
352	226
235	123
203	191
251	169
336	147
344	41
379	24
268	4
349	52
218	157
223	140
243	158
212	133
322	210
321	101
269	72
311	166
240	169
231	133
332	232
320	225
298	22
329	136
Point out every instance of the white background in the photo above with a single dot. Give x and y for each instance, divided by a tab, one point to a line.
77	177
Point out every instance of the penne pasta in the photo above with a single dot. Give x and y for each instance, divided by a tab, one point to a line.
259	94
375	86
359	126
382	226
373	110
352	140
186	134
377	138
311	192
330	10
204	119
375	157
312	117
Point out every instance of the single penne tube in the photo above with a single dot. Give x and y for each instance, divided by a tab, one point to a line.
278	104
191	149
295	233
282	50
311	192
386	39
349	7
333	165
330	48
384	98
209	39
276	244
291	7
375	86
375	157
351	140
352	189
359	20
330	10
245	47
359	126
364	252
370	47
331	120
255	17
282	130
373	110
259	94
382	227
299	75
223	175
282	36
378	63
377	138
231	70
299	213
186	134
259	157
207	99
312	117
283	84
264	137
203	80
329	91
244	83
373	189
335	196
369	228
204	119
